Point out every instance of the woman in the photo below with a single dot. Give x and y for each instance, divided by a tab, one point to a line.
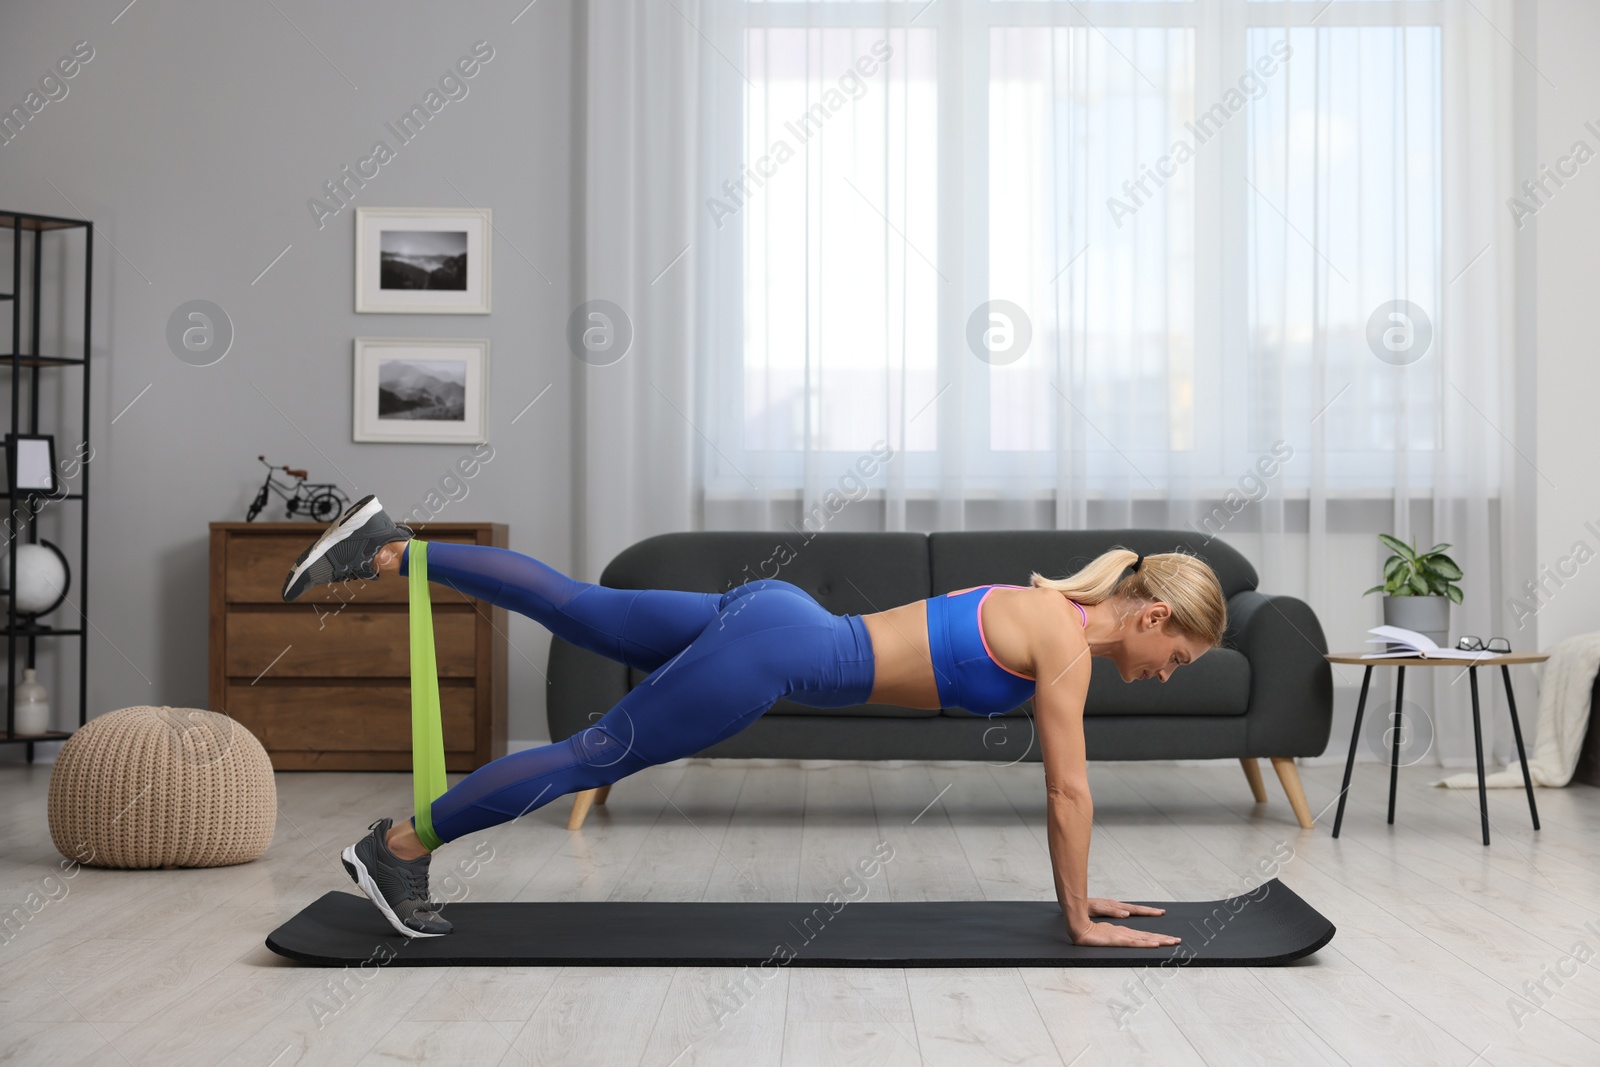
717	661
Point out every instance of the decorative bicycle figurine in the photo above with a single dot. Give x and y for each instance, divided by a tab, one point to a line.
318	501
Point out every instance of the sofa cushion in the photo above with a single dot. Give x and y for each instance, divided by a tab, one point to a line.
958	559
881	711
999	744
848	573
1218	683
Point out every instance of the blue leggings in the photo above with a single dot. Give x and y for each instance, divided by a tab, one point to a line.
716	661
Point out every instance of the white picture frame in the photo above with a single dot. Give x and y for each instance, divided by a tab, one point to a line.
401	250
32	462
421	390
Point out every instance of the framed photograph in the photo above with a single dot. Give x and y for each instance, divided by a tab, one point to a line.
423	260
421	390
30	462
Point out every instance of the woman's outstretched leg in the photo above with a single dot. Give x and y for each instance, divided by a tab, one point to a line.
642	628
770	642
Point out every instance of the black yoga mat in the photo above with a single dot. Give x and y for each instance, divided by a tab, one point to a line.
1267	927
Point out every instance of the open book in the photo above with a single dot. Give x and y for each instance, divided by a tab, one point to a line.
1412	643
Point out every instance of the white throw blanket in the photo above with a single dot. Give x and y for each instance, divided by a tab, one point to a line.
1558	729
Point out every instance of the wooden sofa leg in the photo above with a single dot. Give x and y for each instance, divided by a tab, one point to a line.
601	794
580	808
1289	775
1252	774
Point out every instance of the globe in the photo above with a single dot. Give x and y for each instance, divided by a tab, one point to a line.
41	578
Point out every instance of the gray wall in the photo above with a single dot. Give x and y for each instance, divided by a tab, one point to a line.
194	138
1565	235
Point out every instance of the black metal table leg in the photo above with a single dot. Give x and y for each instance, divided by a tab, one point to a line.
1477	738
1394	757
1355	736
1522	757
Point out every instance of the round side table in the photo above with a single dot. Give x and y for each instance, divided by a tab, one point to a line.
1503	661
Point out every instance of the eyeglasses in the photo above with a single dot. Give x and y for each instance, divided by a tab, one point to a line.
1475	644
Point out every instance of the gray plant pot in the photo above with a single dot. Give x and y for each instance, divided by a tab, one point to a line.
1428	615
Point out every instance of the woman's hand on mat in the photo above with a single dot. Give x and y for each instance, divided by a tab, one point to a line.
1116	909
1109	935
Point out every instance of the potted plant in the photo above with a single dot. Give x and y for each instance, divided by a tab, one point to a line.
1418	588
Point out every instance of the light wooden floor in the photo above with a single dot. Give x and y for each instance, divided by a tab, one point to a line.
1437	934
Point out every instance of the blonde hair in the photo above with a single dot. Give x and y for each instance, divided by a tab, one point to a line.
1183	582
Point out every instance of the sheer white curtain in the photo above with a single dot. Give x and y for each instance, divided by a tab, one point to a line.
1240	267
633	331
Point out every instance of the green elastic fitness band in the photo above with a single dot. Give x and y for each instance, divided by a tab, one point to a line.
427	733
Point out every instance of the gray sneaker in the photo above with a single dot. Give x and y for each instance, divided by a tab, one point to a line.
398	887
346	548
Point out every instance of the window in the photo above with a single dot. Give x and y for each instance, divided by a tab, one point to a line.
1191	213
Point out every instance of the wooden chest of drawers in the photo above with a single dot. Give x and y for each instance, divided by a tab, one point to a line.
325	682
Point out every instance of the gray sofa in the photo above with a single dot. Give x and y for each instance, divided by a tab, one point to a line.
1267	691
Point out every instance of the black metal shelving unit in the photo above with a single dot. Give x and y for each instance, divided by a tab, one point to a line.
20	223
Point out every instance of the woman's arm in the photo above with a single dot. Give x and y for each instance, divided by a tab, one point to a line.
1062	686
1062	669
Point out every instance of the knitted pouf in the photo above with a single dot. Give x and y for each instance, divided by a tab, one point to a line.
162	787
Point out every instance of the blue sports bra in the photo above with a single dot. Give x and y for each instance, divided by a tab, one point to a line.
967	674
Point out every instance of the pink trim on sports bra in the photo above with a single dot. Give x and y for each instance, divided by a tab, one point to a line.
985	640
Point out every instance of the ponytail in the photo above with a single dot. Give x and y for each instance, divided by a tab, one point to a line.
1185	583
